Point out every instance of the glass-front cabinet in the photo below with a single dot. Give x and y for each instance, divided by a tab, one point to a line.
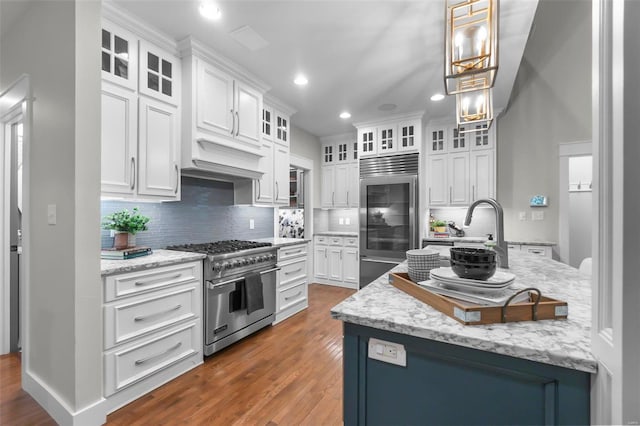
119	56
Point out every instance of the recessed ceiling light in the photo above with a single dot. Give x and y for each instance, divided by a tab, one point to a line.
437	97
344	115
209	10
301	80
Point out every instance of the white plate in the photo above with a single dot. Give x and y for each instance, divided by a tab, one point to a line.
472	287
499	278
491	297
476	284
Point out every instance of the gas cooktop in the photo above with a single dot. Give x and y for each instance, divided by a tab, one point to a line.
220	247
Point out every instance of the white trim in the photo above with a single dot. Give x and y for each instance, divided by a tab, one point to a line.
306	164
56	407
565	151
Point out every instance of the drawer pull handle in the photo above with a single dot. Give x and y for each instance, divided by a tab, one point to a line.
293	252
293	272
294	296
146	317
141	283
152	357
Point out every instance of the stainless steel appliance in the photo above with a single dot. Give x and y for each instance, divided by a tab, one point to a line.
388	212
227	267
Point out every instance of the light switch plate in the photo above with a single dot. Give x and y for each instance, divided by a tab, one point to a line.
252	224
52	217
347	221
523	216
537	215
393	353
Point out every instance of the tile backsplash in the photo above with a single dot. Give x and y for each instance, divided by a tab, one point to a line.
205	213
482	223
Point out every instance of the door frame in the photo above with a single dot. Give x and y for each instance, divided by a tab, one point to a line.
15	105
567	150
305	164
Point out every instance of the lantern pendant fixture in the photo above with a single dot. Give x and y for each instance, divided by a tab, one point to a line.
471	46
474	108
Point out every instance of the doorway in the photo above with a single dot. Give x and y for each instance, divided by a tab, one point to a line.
15	139
575	203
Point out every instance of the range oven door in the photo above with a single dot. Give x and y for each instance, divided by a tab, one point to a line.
226	313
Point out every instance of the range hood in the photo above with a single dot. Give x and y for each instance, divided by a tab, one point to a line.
213	160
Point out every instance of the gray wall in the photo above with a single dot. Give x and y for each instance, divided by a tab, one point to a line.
550	104
205	213
58	44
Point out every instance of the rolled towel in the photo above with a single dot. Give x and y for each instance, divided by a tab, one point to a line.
253	292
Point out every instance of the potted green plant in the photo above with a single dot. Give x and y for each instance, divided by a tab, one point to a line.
440	226
125	224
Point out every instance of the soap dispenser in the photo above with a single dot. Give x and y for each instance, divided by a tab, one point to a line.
490	244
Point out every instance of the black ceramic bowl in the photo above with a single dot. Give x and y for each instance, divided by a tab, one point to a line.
472	255
473	271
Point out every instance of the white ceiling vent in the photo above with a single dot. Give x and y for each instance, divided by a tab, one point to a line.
250	39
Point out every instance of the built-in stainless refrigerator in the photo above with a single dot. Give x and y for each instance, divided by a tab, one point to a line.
388	213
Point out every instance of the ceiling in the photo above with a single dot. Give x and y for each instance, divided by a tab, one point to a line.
357	54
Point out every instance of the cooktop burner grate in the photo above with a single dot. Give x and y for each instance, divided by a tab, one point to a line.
220	247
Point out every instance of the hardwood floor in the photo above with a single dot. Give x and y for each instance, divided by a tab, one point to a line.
287	374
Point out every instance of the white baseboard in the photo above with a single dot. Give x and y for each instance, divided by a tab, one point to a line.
353	286
50	401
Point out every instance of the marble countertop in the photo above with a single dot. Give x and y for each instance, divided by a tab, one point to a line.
483	239
337	233
564	343
158	258
282	242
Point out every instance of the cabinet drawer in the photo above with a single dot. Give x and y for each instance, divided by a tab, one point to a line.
351	241
539	250
291	296
142	315
293	271
289	252
126	366
335	241
513	247
321	239
118	286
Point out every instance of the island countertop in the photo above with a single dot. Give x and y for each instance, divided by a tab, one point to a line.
564	343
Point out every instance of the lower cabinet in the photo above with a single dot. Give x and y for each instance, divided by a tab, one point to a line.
336	261
292	281
544	251
152	329
442	383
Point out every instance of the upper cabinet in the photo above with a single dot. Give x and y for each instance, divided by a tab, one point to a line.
140	118
224	118
460	165
340	171
398	134
119	56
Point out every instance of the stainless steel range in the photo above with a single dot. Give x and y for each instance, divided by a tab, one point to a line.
233	272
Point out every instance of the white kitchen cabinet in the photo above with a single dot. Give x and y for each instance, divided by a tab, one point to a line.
227	108
339	186
282	131
152	329
158	154
460	166
341	189
539	250
438	180
119	140
337	151
273	187
119	56
409	135
140	118
159	74
367	140
353	185
327	185
292	281
336	261
387	138
458	170
267	122
482	138
482	174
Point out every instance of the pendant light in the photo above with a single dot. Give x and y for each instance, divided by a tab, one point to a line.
471	45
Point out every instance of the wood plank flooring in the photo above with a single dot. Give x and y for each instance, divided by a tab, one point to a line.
287	374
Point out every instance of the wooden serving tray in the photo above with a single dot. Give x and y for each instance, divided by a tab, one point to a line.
539	308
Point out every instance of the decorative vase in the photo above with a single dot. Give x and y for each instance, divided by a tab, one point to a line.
121	240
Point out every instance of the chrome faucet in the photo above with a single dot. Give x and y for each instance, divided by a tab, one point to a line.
501	246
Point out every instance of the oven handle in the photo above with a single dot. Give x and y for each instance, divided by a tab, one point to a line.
212	286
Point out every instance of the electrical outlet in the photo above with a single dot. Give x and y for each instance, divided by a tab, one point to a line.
537	215
393	353
252	224
341	221
522	216
347	221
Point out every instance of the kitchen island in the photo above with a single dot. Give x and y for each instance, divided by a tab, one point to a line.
514	373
